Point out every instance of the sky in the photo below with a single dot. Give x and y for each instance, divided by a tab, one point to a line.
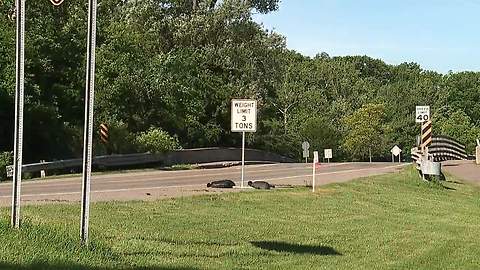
440	35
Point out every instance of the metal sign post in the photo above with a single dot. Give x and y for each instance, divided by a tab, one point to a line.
244	119
88	129
19	103
243	158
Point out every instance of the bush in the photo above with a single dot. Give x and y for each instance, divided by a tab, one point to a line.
155	140
6	158
120	139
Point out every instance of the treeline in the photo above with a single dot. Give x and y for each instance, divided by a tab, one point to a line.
167	70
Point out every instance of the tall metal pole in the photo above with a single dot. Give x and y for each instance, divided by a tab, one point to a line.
19	102
243	157
88	129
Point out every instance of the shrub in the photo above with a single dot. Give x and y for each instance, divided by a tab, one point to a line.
155	140
120	139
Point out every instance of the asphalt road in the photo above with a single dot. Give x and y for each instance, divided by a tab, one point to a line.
155	184
466	170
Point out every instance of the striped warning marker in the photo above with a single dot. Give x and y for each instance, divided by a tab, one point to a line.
426	134
104	133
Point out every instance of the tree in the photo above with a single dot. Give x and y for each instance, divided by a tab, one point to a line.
367	132
457	125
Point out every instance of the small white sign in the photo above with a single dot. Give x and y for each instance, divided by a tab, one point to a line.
396	150
306	154
9	171
315	156
422	114
328	153
244	115
305	145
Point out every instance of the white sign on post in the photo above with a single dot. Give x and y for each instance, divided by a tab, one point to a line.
244	115
328	153
396	150
9	170
305	145
244	119
422	114
306	152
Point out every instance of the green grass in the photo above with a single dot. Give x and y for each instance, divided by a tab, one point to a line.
388	222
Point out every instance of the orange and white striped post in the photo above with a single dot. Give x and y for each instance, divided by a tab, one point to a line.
426	136
104	133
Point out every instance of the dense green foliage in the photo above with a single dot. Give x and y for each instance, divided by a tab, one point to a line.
156	141
366	133
386	222
176	64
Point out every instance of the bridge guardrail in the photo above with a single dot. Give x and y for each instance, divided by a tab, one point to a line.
185	156
443	148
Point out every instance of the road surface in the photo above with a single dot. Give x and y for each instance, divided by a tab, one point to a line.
466	170
151	185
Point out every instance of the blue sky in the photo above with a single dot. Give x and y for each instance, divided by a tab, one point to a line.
440	35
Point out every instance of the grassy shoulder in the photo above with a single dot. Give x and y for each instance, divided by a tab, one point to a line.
393	221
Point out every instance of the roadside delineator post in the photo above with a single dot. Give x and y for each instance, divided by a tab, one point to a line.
314	165
477	154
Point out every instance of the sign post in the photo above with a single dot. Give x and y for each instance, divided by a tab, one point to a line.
315	162
422	116
306	152
88	129
244	119
19	104
328	154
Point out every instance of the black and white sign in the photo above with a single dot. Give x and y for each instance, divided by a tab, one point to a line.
422	114
396	150
305	147
9	170
328	153
244	115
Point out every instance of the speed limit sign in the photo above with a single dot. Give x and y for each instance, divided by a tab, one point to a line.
422	114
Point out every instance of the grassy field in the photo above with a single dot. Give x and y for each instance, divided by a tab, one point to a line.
387	222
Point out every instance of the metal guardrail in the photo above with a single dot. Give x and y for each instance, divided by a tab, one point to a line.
185	156
443	148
